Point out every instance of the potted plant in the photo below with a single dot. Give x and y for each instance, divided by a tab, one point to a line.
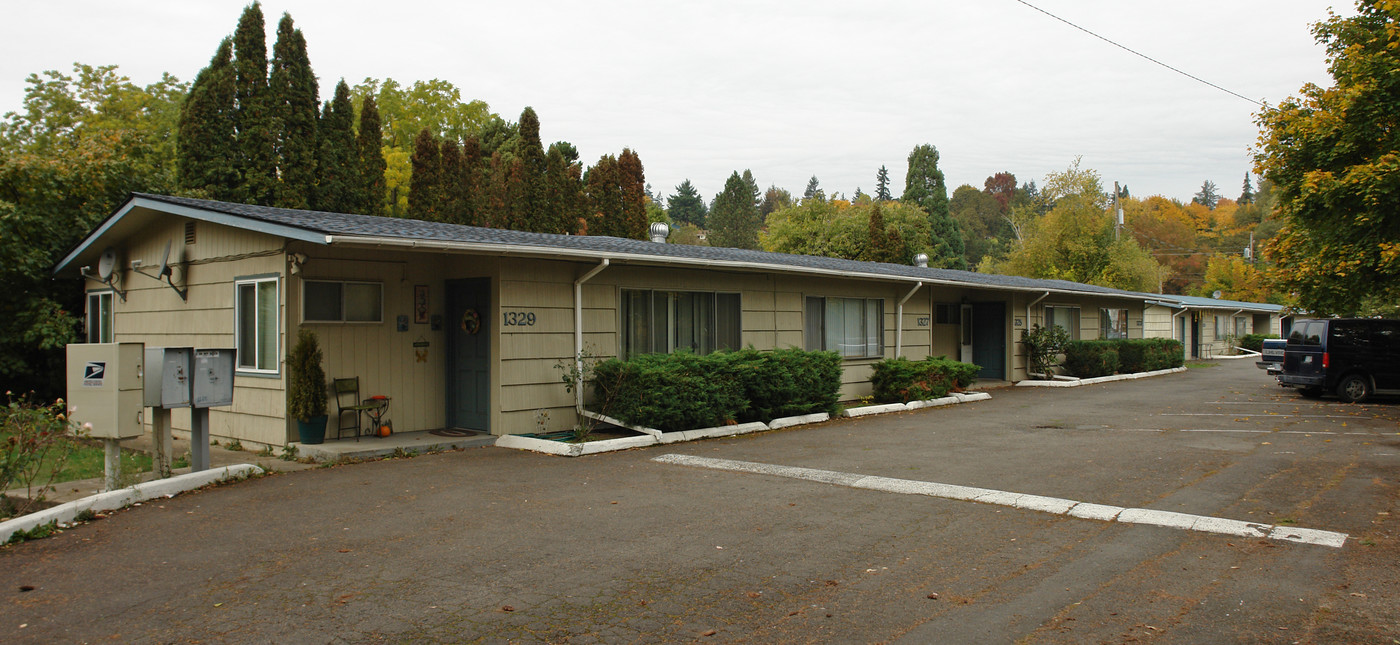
306	392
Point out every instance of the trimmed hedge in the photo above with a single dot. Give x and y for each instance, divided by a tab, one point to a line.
1254	342
1091	358
900	380
684	391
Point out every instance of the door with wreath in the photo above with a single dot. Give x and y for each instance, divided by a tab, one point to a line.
469	354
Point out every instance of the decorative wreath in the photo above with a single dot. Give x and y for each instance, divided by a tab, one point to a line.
471	321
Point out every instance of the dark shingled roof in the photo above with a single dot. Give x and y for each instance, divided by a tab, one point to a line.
351	225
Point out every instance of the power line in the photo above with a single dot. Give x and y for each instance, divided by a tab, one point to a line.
1142	55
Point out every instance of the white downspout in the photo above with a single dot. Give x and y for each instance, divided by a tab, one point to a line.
1032	304
1185	347
578	332
899	320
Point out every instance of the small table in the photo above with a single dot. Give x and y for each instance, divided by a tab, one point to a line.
377	407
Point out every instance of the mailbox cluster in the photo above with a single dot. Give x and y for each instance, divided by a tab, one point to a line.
109	384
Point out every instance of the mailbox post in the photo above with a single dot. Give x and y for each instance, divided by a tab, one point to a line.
212	386
168	379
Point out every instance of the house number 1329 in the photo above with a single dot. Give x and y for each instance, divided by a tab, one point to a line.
519	318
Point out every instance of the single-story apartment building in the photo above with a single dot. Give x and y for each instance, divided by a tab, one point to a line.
1210	327
467	327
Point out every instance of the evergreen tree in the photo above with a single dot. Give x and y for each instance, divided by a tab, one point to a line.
425	182
564	188
207	143
814	189
505	202
1208	196
924	187
452	196
371	158
604	198
253	118
294	100
687	206
535	213
882	185
632	178
1246	195
337	165
774	199
473	181
734	217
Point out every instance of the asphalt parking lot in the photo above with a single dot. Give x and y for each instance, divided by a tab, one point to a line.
666	544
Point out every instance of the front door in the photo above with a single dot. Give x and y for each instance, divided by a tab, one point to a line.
469	353
989	339
1195	335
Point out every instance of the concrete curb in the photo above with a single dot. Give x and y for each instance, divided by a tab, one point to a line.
656	437
1100	379
121	498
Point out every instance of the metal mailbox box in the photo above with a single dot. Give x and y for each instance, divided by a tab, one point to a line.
168	377
213	377
105	388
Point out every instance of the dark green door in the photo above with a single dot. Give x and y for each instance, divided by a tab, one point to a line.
989	339
469	353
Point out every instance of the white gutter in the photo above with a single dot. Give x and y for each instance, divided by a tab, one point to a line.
578	332
899	320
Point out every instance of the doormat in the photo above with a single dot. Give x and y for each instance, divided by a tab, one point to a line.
454	432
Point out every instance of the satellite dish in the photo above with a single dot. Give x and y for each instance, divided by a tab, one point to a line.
1216	295
106	263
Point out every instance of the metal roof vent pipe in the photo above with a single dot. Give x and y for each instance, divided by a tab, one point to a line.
921	260
659	231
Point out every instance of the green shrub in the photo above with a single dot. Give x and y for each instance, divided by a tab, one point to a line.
306	389
683	391
1161	354
1254	342
900	380
1091	358
1043	347
786	382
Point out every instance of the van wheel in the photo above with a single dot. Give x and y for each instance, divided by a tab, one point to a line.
1354	388
1310	392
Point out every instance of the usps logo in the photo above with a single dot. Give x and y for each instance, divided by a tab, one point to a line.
93	373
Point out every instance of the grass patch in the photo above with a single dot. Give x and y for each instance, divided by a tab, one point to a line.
1196	365
89	461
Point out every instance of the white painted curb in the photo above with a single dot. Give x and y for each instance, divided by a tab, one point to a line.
121	498
874	409
788	422
1099	379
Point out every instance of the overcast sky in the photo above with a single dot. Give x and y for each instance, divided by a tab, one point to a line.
789	90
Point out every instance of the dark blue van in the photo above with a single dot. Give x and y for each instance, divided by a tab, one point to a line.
1353	357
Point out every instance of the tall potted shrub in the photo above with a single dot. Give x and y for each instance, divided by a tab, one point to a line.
306	391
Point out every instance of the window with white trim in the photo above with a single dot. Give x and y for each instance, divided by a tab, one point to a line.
340	301
1113	323
255	325
1222	327
1064	317
851	327
99	317
666	321
1241	326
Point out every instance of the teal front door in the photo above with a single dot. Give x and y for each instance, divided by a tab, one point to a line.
989	339
469	354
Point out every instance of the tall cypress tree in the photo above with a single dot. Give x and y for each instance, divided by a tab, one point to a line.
452	198
294	99
632	180
473	181
925	187
734	217
534	215
257	139
207	143
371	158
604	198
337	165
425	181
564	188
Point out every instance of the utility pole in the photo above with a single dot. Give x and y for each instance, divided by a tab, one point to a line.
1118	210
1249	250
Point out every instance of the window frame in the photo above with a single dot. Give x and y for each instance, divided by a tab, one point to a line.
672	306
104	319
258	368
344	302
1108	323
1076	314
1240	326
816	340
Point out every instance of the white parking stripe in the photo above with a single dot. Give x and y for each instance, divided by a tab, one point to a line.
1263	415
1058	506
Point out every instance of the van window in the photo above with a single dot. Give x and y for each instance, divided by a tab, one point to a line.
1312	334
1352	335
